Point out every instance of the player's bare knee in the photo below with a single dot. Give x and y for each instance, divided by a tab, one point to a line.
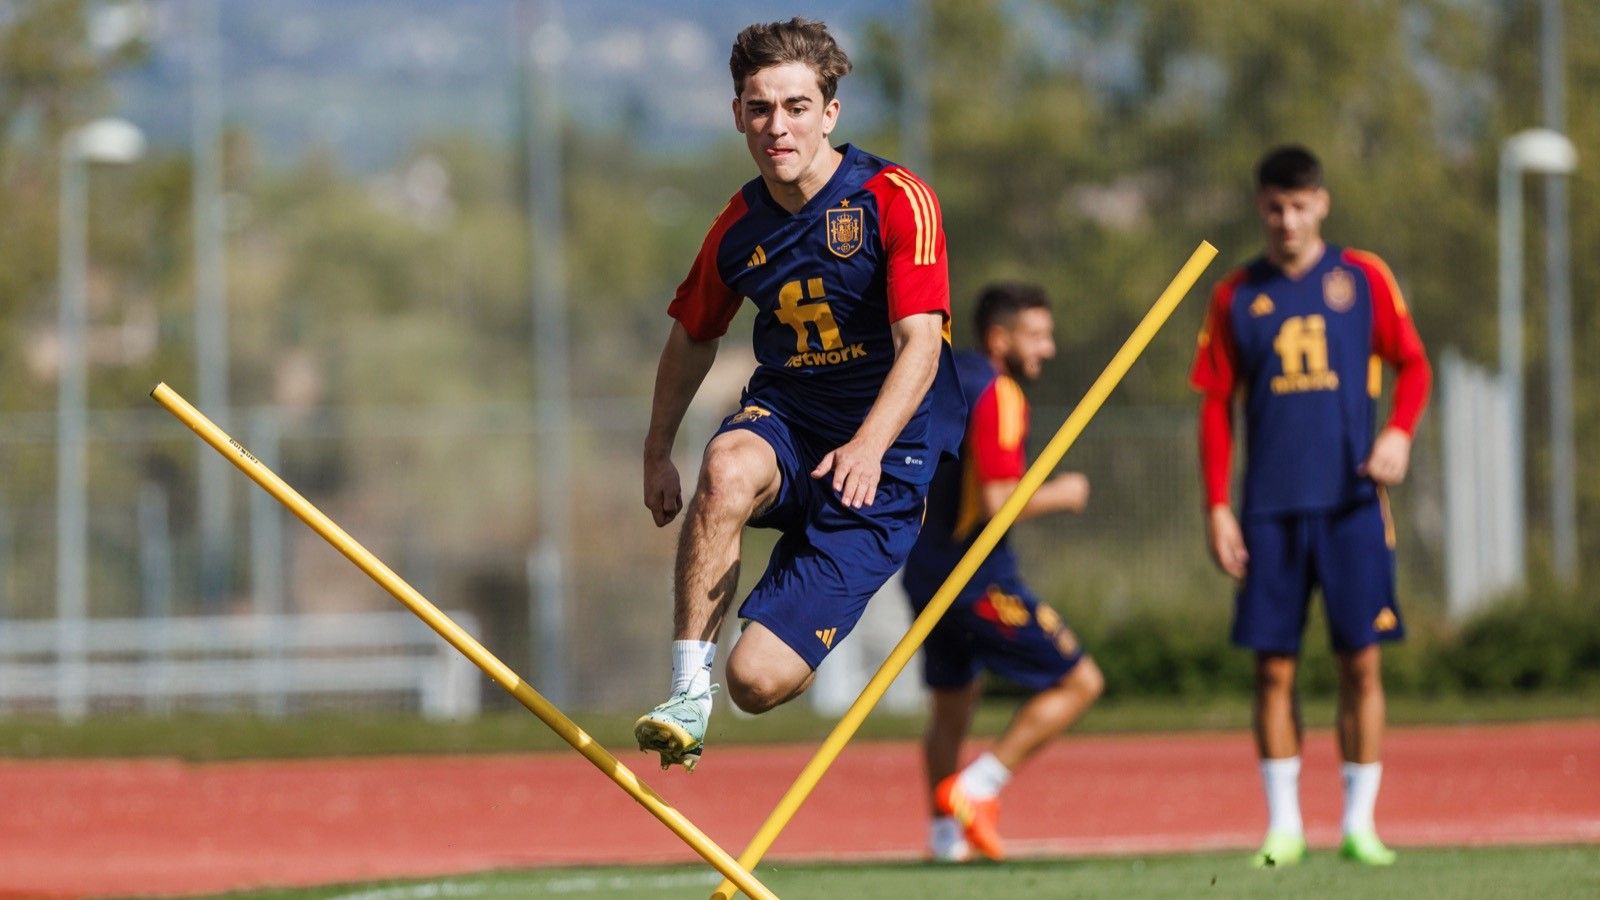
1360	670
1275	674
727	480
756	693
745	698
1087	678
756	687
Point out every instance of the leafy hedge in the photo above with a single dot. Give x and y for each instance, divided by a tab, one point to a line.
1547	642
1526	646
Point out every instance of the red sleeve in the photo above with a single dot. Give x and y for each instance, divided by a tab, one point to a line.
998	432
1213	371
704	304
1395	341
1213	376
1216	447
912	232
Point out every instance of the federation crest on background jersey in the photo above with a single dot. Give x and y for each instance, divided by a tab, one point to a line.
845	225
1339	290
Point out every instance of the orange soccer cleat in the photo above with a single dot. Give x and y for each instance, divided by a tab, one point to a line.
980	819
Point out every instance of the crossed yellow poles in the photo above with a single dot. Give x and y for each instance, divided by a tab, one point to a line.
735	872
459	639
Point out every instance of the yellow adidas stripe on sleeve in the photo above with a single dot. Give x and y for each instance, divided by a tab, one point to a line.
925	213
1011	412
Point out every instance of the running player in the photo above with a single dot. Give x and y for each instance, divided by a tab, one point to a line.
996	623
845	418
1299	334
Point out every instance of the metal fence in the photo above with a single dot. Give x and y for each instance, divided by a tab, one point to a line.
448	497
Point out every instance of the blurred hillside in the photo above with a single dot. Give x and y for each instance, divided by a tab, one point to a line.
368	80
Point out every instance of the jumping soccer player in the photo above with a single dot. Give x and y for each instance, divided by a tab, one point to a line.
1299	333
996	623
846	416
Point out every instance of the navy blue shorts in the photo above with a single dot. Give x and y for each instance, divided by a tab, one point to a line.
1001	627
830	559
1348	552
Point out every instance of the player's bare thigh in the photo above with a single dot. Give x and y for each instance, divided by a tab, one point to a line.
739	474
764	672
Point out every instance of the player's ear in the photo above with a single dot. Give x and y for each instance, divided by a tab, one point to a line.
994	338
830	116
1324	202
738	116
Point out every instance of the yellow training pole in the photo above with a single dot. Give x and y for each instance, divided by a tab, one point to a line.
450	631
975	555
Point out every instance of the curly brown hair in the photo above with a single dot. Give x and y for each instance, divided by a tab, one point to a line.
797	40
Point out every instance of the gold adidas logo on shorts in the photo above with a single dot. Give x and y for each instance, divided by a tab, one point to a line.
826	635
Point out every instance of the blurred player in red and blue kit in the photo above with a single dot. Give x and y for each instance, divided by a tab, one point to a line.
997	623
1300	335
848	412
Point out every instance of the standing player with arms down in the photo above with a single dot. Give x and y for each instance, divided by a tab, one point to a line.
1300	333
996	623
844	420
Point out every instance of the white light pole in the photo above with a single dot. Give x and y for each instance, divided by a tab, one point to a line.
110	141
1547	152
210	301
1558	309
546	45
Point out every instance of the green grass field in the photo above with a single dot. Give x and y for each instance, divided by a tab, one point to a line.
208	738
1544	872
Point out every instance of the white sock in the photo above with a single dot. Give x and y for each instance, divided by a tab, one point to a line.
1360	795
984	777
945	839
1281	778
691	666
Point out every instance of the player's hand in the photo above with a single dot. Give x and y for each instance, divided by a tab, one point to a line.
1071	490
1391	456
663	493
1226	541
856	468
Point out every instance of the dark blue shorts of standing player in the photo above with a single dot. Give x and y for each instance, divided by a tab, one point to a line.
1002	627
1348	552
831	559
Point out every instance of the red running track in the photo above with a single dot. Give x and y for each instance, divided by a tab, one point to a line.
161	827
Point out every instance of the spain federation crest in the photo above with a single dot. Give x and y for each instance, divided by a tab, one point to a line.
1339	290
845	225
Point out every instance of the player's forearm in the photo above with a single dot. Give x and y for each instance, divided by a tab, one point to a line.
1051	497
916	363
684	364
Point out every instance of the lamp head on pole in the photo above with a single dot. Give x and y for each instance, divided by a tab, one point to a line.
1540	150
110	140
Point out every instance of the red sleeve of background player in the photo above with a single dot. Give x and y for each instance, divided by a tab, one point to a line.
1395	341
998	432
1213	377
912	232
704	305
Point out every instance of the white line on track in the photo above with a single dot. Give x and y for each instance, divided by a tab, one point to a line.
534	887
423	891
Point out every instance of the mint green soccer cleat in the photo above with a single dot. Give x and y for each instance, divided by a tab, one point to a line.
1365	848
677	728
1279	849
